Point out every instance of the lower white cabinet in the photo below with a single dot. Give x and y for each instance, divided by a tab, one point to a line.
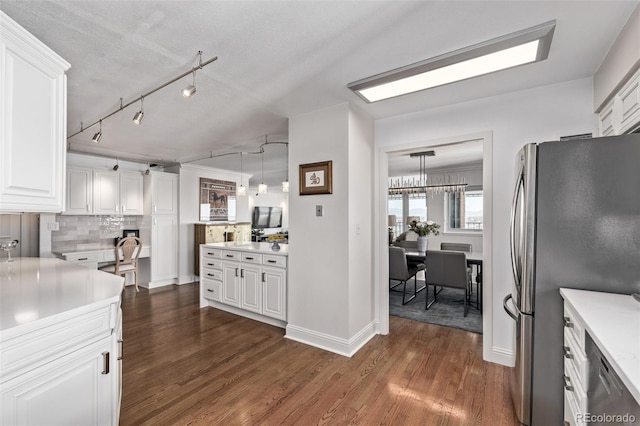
248	280
164	249
576	369
73	375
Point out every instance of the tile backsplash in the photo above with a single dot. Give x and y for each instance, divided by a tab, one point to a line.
90	232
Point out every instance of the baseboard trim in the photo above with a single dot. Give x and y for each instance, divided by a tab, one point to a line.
186	279
501	356
247	314
159	283
337	345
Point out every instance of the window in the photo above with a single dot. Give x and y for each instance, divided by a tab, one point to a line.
464	211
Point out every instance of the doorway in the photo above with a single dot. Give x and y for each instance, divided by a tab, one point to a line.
384	154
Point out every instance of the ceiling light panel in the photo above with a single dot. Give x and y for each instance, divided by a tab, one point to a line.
523	47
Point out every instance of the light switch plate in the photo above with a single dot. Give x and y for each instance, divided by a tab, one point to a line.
319	210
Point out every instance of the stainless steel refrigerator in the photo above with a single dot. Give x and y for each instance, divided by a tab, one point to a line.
575	223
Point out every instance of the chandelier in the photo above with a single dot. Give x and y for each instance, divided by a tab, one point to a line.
421	185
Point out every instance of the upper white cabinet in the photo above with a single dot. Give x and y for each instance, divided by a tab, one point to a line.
117	193
161	193
622	114
33	106
79	191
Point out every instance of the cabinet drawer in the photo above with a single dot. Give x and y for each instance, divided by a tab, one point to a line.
83	257
231	255
574	326
213	274
40	345
576	356
211	253
271	260
209	263
251	258
576	392
212	289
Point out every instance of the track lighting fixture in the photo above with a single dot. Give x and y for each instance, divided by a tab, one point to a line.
285	183
137	119
242	190
190	90
146	172
96	138
285	186
116	167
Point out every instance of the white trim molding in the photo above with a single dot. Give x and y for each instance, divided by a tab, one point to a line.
338	345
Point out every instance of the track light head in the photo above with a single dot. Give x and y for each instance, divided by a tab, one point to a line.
138	117
116	167
96	138
146	172
190	90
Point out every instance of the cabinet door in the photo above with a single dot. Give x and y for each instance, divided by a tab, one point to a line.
33	115
117	349
73	389
164	193
629	98
164	247
231	283
79	191
274	293
607	120
106	192
251	288
131	200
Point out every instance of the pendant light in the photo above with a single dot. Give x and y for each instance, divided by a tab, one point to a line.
242	190
262	188
285	183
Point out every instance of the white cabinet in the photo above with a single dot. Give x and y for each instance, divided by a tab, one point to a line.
161	193
246	279
33	89
117	193
622	114
79	198
160	209
576	368
164	248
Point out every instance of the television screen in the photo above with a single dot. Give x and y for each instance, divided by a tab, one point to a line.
267	217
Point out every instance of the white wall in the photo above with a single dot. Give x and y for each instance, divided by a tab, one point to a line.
534	115
190	210
330	295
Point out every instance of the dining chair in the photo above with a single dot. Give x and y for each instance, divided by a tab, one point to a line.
447	269
127	253
399	270
464	247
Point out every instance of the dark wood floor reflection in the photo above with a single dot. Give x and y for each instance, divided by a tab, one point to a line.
185	365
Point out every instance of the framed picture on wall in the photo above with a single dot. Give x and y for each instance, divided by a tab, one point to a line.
315	178
216	196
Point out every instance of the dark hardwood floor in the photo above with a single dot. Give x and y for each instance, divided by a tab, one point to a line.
186	366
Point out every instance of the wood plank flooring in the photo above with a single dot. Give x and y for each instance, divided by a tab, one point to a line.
189	366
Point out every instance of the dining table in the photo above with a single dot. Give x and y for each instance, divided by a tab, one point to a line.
474	259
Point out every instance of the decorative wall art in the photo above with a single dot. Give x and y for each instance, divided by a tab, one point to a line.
215	198
315	178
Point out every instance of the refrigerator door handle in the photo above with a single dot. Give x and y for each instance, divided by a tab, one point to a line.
512	234
506	308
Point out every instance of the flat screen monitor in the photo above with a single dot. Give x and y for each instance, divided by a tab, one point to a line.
266	217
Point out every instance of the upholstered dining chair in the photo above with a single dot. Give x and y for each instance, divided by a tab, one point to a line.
127	253
447	269
464	247
400	271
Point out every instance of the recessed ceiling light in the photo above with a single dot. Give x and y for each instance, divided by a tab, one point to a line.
522	47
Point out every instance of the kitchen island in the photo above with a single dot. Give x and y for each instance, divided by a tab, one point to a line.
60	335
247	279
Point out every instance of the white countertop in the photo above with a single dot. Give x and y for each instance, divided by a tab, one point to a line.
257	247
110	251
613	322
33	288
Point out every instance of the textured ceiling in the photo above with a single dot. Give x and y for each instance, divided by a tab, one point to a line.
279	59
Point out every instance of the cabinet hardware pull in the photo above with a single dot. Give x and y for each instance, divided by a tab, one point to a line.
567	352
242	273
210	291
210	275
236	272
211	264
263	278
271	261
120	349
105	362
229	255
567	386
567	322
249	258
83	258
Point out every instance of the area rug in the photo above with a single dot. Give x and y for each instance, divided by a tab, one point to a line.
447	311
